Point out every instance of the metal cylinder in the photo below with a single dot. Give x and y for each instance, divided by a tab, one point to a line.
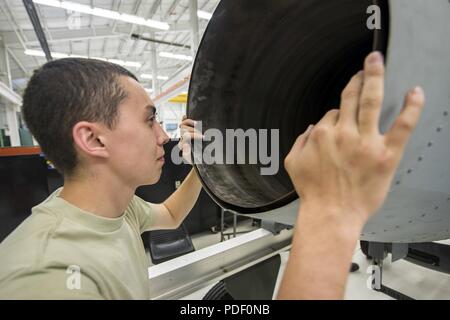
281	64
272	64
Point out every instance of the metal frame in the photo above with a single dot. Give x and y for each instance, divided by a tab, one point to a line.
182	276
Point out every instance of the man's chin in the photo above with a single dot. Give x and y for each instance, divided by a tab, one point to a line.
156	179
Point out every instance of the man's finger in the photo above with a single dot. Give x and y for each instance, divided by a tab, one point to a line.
329	119
187	128
188	135
349	101
193	135
190	130
372	94
303	138
404	125
188	122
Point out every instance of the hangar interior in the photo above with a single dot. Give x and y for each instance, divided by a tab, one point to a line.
233	244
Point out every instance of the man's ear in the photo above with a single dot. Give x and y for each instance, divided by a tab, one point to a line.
88	137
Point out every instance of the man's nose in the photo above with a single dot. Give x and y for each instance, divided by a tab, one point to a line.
163	138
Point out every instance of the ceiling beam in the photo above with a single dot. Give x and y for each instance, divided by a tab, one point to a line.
32	13
64	35
17	61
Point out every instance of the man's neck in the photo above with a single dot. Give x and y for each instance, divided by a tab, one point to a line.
103	197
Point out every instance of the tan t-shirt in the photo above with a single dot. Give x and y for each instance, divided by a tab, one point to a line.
63	252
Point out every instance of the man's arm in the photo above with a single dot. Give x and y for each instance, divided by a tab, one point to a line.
342	170
171	213
321	254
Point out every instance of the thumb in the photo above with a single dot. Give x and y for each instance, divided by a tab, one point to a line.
186	153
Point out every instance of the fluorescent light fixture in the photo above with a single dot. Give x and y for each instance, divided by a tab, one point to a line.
36	53
119	62
150	76
175	56
132	19
184	92
132	64
76	7
204	15
104	13
58	55
51	3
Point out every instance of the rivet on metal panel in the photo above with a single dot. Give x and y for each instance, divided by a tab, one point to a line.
420	158
445	113
436	208
430	144
409	171
397	182
439	129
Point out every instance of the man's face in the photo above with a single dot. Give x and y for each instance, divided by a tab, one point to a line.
136	143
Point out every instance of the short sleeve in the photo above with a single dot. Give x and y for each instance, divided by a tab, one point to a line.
142	212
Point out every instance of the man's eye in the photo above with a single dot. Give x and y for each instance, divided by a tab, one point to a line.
151	119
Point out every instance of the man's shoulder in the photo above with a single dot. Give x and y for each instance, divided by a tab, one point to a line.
136	207
25	244
38	225
24	247
139	213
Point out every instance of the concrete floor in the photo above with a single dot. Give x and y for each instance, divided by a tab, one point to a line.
410	279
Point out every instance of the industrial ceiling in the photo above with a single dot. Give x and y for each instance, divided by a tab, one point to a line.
103	29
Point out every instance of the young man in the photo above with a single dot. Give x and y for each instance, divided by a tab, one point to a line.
90	119
97	125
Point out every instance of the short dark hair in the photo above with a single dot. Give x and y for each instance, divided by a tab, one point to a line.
64	92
